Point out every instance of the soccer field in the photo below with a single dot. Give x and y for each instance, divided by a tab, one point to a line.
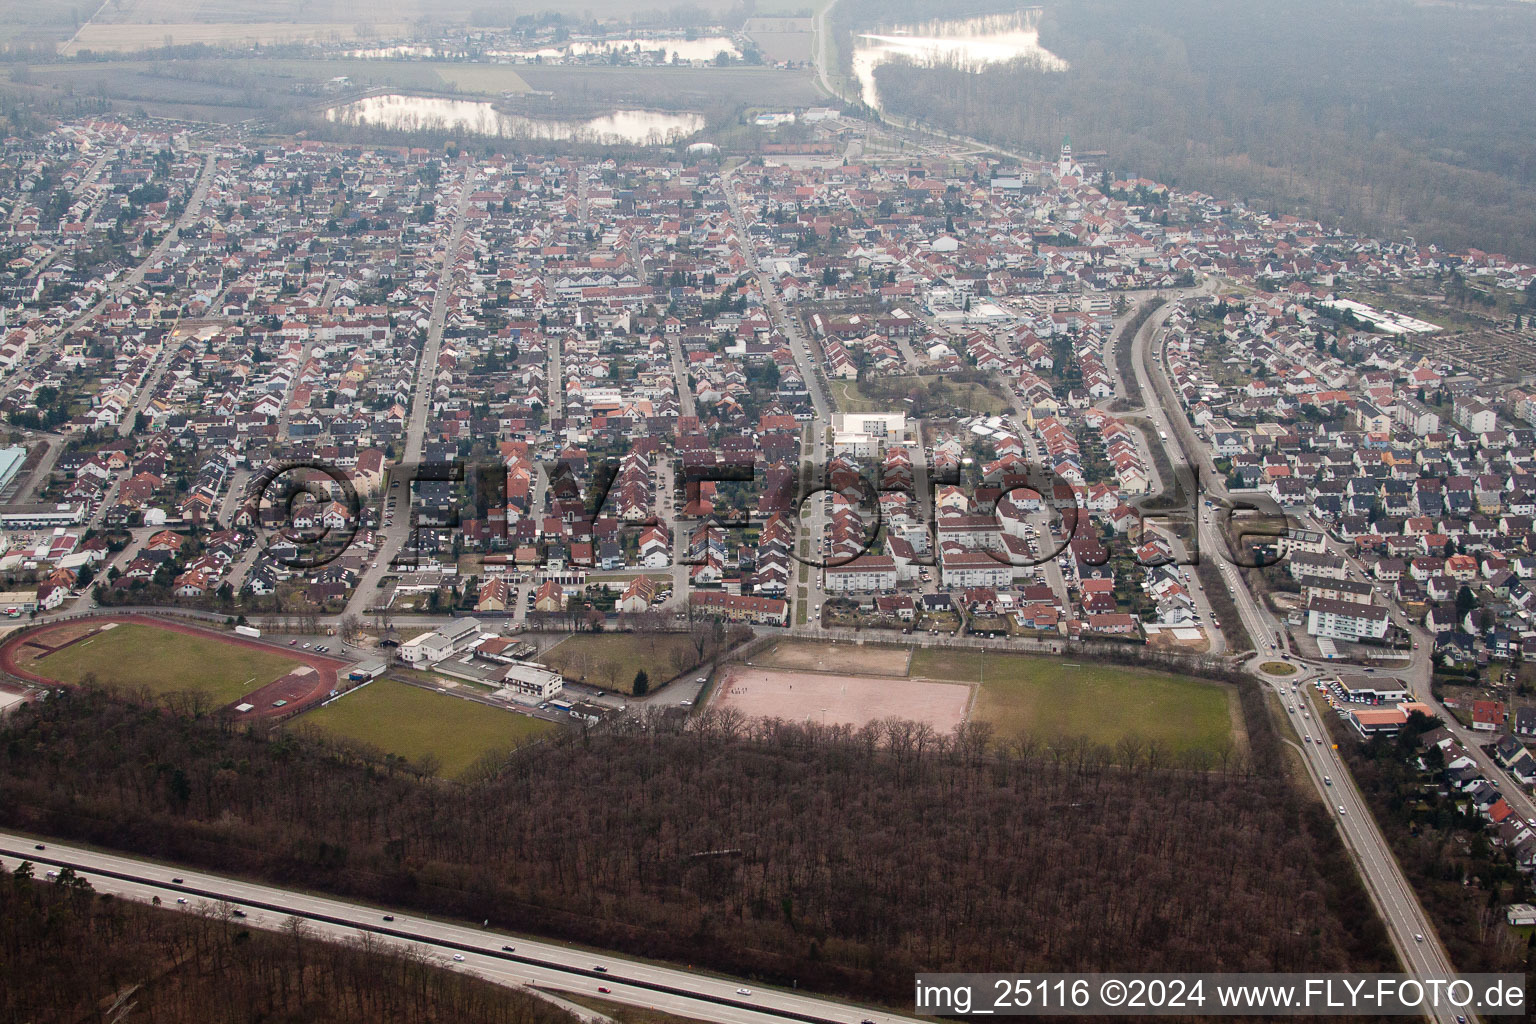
419	724
132	656
1049	699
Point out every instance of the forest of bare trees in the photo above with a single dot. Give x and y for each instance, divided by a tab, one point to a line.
851	858
1391	116
69	954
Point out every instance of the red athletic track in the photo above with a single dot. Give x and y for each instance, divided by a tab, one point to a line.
299	693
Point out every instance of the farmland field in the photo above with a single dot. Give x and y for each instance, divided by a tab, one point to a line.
139	656
349	12
611	659
1048	698
99	37
679	88
422	725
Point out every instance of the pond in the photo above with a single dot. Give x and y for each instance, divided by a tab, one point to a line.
401	112
970	43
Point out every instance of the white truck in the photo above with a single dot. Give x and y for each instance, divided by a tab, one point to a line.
248	631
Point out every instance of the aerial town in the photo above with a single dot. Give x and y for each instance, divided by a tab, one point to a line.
430	414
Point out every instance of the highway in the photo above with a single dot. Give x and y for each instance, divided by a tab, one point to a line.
672	989
1412	933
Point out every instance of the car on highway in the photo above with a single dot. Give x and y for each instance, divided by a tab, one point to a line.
389	917
508	949
459	957
1327	781
237	913
600	969
1417	937
175	881
601	988
1342	810
293	643
685	703
743	991
181	899
40	846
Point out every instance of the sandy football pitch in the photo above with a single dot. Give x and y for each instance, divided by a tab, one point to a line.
842	700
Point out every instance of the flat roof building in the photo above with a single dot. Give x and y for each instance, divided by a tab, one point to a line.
430	648
1363	688
530	681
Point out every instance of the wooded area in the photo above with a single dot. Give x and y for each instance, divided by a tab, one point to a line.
842	860
69	954
1396	117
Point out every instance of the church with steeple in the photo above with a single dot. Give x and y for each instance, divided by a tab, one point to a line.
1066	167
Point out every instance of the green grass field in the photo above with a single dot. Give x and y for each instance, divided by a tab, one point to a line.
137	656
886	393
419	725
1045	698
610	660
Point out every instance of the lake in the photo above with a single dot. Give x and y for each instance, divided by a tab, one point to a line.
402	112
971	43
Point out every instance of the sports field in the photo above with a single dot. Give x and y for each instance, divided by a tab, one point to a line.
423	725
823	698
610	660
134	656
1049	698
826	657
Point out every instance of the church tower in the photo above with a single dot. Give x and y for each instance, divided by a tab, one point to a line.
1064	166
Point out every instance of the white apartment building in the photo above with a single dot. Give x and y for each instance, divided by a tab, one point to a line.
866	573
1345	620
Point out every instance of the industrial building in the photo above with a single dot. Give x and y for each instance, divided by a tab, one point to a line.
11	460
